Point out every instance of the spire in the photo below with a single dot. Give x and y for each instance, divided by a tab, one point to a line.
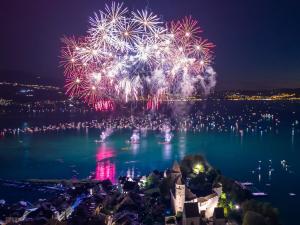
178	180
176	167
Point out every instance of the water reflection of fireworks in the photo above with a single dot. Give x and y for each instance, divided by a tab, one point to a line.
105	167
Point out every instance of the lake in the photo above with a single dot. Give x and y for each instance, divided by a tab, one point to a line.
74	153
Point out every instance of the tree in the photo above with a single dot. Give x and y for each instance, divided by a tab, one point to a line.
235	216
212	175
106	184
198	168
189	162
263	208
253	218
165	187
151	180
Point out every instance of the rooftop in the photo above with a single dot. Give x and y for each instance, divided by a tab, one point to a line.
176	168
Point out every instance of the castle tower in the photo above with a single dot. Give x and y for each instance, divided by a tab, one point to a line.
179	195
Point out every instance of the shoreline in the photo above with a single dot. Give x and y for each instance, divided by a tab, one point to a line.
225	192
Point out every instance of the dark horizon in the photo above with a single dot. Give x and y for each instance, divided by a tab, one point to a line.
60	83
257	43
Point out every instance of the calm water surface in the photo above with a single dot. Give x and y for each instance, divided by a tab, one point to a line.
75	154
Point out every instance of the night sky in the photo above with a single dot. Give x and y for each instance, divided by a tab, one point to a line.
257	41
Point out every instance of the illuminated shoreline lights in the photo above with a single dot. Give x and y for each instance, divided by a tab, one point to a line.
130	56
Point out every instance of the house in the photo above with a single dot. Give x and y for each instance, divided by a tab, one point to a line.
125	218
42	212
209	202
64	214
191	215
126	203
16	214
130	186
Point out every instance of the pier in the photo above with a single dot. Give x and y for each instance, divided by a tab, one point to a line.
250	187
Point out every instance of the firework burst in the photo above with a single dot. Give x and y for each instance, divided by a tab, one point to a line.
128	56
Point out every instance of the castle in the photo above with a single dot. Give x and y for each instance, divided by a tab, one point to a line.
181	194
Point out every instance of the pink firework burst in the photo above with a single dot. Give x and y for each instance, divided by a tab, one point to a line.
130	56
